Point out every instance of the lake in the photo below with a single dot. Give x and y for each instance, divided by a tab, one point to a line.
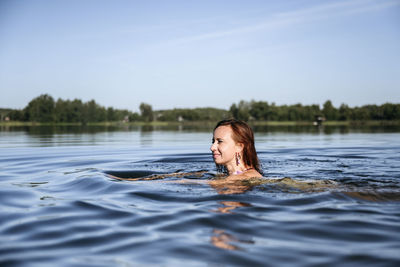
330	197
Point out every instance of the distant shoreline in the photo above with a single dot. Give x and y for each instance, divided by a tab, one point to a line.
44	110
207	123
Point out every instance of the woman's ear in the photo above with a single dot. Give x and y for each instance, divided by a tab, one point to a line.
239	147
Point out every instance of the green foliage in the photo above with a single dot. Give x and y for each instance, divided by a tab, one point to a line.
134	117
329	111
263	111
197	114
391	111
345	113
11	114
44	109
241	111
40	109
146	112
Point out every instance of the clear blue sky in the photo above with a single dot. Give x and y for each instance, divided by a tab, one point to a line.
208	53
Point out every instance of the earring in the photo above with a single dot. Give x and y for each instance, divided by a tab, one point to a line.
237	157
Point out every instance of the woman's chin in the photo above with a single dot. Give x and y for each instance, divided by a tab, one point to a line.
216	161
219	162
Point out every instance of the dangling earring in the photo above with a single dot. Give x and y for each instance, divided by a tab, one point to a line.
237	157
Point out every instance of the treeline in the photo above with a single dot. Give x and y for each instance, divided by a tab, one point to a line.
196	114
45	109
263	111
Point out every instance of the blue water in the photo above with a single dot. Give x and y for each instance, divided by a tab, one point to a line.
59	206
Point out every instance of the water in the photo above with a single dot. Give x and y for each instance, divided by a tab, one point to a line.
59	206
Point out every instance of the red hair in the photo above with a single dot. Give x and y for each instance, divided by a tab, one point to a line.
242	133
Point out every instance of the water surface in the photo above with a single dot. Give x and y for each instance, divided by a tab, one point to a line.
59	206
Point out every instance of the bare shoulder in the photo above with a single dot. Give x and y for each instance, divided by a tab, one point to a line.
252	173
247	175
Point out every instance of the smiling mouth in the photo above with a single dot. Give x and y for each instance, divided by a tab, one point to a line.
216	155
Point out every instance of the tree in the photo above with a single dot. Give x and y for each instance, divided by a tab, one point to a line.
259	110
329	111
241	111
61	111
91	111
233	110
16	115
44	109
111	114
75	111
40	109
312	112
391	111
344	112
146	112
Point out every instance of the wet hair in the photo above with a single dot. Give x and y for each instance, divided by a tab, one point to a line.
242	133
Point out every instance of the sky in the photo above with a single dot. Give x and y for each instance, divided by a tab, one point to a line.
208	53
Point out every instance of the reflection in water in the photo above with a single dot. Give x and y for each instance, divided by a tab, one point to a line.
59	200
196	127
230	186
229	206
147	128
146	138
374	196
326	129
287	184
220	238
148	175
224	240
225	186
29	184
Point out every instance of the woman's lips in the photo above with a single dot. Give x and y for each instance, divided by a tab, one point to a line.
216	155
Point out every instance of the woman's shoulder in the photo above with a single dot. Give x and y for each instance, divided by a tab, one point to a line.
246	175
252	173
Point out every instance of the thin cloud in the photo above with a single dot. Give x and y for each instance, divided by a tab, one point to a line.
284	19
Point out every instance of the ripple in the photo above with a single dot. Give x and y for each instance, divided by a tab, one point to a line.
59	207
16	198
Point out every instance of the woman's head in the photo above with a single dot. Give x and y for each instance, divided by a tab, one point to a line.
231	137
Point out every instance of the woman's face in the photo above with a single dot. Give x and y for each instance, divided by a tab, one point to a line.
223	146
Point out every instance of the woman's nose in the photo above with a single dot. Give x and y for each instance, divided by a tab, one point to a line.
212	148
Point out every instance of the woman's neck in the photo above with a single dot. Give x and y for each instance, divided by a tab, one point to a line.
235	170
240	172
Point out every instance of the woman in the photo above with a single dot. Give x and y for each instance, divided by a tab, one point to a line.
234	154
233	150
